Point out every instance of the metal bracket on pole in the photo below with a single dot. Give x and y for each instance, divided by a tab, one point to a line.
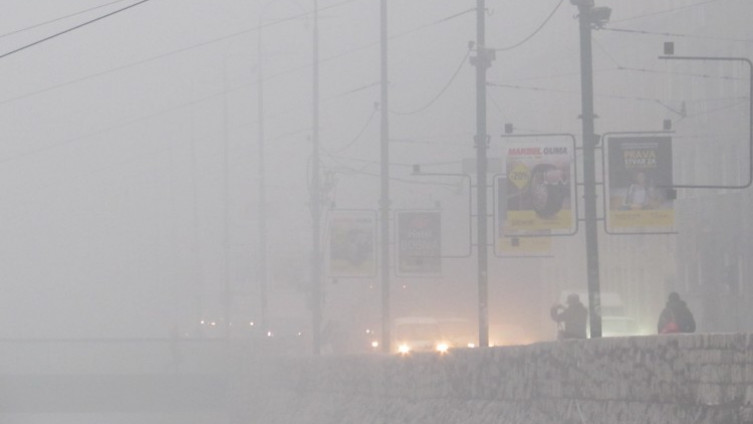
669	49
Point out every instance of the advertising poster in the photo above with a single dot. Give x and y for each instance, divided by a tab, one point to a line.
639	184
536	195
510	244
352	241
419	242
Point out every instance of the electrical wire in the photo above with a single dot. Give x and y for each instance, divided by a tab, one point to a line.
357	137
369	45
431	24
620	67
746	102
395	164
60	18
533	34
660	102
562	75
123	124
684	74
674	34
358	89
441	92
392	178
210	42
143	118
606	52
73	28
663	12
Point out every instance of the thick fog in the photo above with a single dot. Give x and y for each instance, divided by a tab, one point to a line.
130	157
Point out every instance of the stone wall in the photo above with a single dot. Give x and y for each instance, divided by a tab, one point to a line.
655	379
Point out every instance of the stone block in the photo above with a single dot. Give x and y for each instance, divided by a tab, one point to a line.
708	394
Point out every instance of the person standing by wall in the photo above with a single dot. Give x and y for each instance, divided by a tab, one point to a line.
572	319
676	317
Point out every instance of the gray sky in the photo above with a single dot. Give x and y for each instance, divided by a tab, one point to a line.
112	158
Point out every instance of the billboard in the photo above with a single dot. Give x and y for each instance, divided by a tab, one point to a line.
639	171
419	242
535	197
516	243
352	241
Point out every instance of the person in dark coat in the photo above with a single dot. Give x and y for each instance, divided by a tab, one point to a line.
676	317
572	319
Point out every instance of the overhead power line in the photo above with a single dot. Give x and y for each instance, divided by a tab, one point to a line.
196	46
673	34
70	15
441	92
737	100
358	136
362	171
533	34
58	34
620	67
666	11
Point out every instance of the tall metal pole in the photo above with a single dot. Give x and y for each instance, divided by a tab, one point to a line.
482	62
262	186
385	182
316	263
227	295
590	142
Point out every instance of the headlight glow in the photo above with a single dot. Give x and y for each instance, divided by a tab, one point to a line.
443	347
403	349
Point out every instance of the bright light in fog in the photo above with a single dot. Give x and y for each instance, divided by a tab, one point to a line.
471	345
269	334
368	331
375	344
251	323
443	347
403	349
300	333
212	323
202	322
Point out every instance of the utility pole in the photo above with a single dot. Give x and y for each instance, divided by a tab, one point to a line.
482	61
316	254
227	294
262	186
589	16
384	202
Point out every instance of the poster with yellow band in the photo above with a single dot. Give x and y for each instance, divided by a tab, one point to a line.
535	196
537	193
640	180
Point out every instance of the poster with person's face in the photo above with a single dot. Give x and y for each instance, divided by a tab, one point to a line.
639	184
537	194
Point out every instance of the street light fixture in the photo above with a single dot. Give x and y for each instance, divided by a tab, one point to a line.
600	16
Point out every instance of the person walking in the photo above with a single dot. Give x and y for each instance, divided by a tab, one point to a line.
676	317
572	319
